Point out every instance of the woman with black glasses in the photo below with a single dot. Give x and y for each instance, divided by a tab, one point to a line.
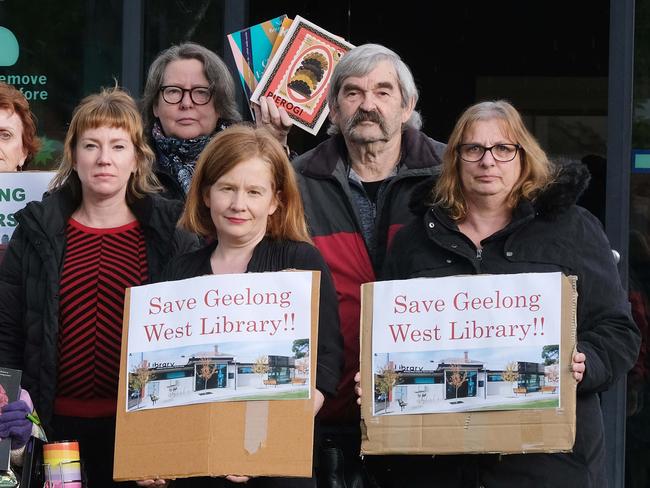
500	206
188	98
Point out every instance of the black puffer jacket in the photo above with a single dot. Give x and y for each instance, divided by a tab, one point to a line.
549	234
30	275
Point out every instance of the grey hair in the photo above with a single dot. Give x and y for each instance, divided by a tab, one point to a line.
360	61
216	71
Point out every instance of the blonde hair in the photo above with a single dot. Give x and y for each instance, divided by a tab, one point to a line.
112	107
536	170
230	147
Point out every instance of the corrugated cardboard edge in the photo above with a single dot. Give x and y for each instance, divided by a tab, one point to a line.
505	432
210	439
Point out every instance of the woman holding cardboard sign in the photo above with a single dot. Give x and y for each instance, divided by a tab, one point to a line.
99	230
500	206
244	196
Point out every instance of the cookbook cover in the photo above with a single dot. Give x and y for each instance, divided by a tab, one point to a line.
298	76
251	48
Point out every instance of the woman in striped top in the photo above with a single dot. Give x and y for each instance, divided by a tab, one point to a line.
100	230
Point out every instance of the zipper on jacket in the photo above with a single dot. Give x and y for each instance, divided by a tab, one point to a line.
479	254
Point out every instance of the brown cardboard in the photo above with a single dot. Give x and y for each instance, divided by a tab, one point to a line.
513	431
256	438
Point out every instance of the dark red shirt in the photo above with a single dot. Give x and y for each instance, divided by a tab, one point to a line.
99	265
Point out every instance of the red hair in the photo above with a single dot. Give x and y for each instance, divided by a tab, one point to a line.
14	101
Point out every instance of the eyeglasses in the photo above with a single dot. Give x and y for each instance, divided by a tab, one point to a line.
200	95
472	153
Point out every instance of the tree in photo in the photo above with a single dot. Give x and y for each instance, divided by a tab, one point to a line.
456	377
300	348
511	373
552	373
385	379
551	354
302	366
261	367
139	377
206	370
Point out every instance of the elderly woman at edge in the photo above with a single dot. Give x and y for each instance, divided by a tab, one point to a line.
18	141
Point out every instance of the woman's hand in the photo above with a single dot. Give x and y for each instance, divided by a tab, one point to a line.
319	399
14	423
156	482
270	117
357	386
578	366
235	478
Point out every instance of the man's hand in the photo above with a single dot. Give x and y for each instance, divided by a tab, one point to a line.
578	366
270	117
357	386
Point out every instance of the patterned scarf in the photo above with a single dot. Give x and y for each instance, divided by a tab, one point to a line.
178	156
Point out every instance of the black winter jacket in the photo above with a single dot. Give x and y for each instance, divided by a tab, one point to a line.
273	255
30	276
549	234
335	227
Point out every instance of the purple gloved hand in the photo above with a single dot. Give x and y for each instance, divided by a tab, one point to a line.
15	424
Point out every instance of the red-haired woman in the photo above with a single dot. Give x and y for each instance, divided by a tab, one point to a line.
244	196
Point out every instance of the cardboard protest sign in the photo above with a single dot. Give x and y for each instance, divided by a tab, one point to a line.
17	189
298	75
467	356
251	49
206	358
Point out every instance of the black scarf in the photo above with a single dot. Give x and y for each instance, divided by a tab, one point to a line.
178	156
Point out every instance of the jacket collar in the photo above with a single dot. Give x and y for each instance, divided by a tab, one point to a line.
570	180
50	216
418	151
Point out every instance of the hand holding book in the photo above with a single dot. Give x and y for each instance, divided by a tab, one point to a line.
272	118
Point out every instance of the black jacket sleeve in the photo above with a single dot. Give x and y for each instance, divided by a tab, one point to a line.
195	262
330	341
607	334
12	338
184	242
395	266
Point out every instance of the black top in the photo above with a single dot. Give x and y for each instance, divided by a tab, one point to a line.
274	255
372	189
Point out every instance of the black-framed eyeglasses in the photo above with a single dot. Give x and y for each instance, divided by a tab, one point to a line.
200	95
473	153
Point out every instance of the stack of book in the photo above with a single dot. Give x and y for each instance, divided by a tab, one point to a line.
292	62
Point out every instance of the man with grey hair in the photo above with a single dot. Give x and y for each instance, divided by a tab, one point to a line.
356	187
